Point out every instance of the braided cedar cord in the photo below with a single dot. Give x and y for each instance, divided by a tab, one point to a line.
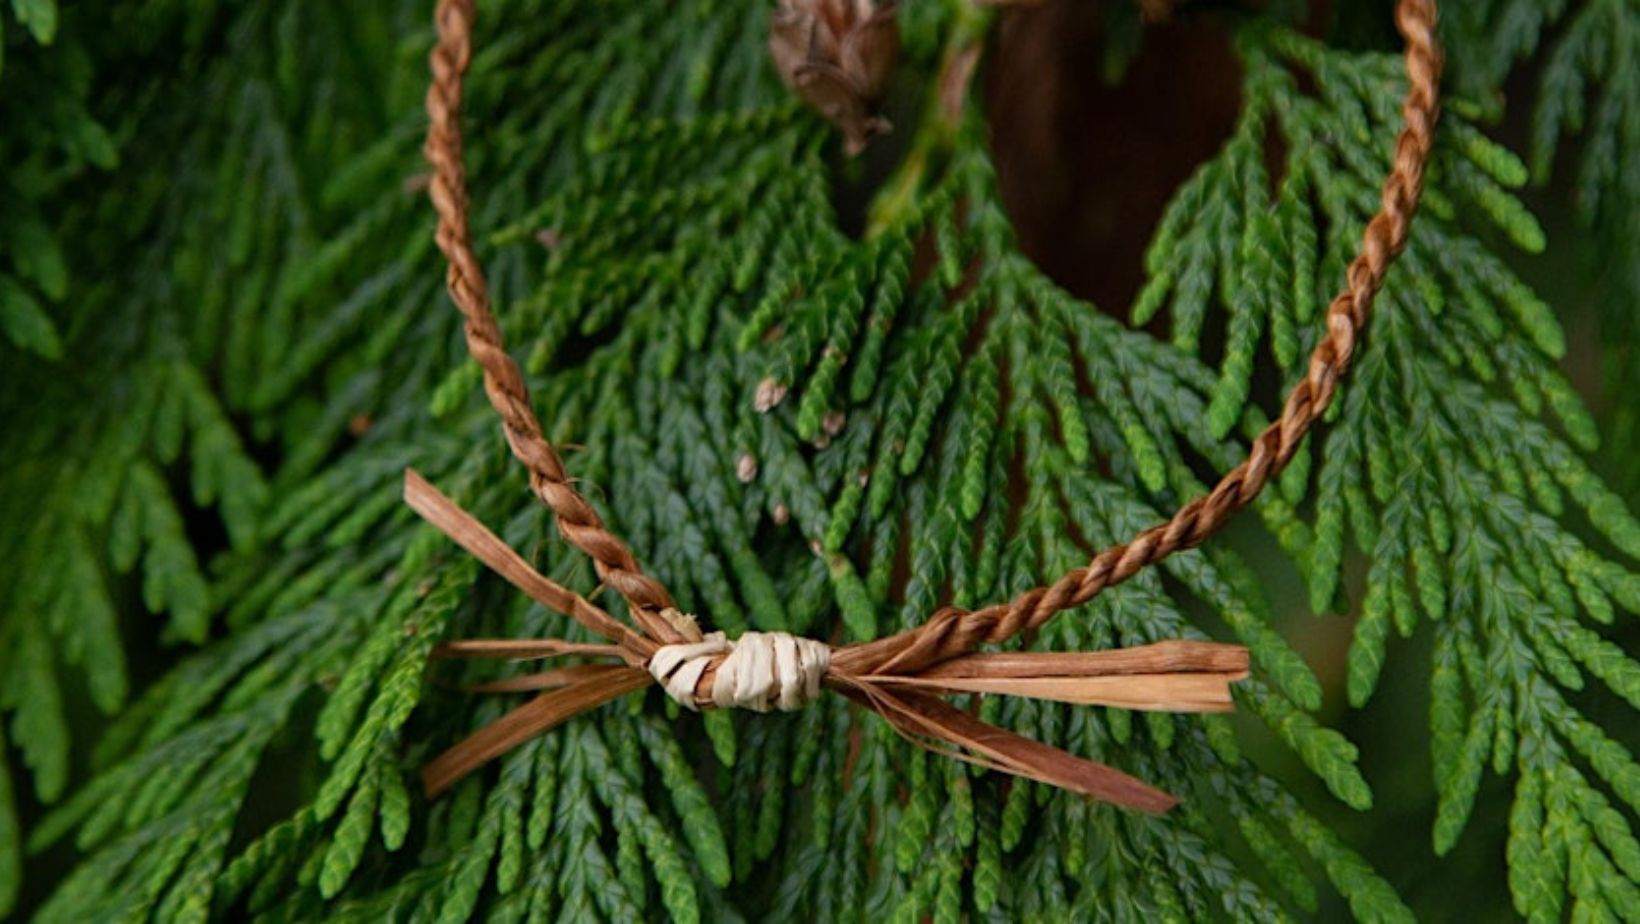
951	631
503	383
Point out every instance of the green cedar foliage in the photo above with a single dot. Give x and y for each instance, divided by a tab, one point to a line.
1585	135
50	139
217	375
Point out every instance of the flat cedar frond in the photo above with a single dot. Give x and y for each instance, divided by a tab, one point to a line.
51	130
798	429
1441	466
1587	112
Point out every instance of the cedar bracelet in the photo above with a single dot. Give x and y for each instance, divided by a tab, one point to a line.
903	676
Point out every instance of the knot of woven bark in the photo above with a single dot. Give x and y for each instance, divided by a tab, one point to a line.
762	670
758	671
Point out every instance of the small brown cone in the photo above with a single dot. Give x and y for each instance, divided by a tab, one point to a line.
838	55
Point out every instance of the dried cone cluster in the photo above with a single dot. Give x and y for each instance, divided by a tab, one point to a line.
838	56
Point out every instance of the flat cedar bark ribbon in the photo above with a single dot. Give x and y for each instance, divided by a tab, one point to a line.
900	677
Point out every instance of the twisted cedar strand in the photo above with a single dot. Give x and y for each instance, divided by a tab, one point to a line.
503	383
951	631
